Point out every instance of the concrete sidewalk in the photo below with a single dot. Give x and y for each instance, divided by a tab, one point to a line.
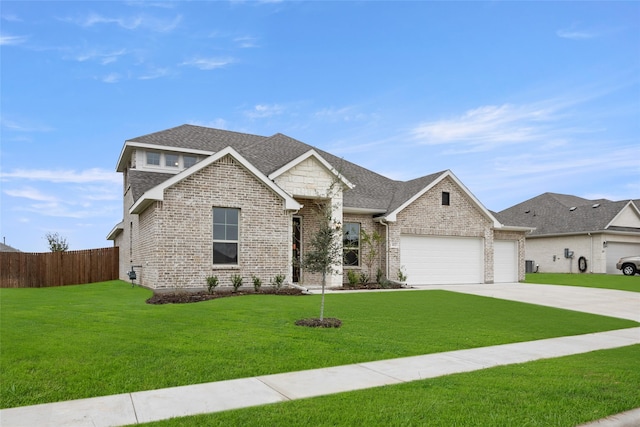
154	405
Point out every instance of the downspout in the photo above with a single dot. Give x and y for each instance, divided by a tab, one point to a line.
386	244
591	250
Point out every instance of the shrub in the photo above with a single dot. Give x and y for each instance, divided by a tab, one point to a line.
236	281
379	276
277	281
353	277
212	282
257	283
364	278
402	276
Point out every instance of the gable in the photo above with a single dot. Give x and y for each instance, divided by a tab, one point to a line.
308	178
434	194
629	216
157	193
427	214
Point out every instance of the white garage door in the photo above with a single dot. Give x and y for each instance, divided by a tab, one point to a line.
505	256
442	260
617	250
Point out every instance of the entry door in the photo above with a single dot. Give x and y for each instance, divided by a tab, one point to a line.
296	247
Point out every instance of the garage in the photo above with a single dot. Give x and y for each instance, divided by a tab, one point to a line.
617	250
429	260
505	256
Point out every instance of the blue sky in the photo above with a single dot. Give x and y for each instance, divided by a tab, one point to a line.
516	98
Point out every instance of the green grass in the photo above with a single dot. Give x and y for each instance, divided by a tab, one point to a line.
605	281
558	392
101	339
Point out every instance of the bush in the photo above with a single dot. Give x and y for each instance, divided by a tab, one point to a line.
277	282
212	282
379	276
353	277
257	283
402	276
236	281
364	278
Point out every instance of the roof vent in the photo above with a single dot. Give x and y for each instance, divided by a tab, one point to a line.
597	205
572	208
527	211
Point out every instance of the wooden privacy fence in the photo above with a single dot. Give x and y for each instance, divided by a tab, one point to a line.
39	270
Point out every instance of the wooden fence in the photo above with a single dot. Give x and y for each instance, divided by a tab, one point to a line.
39	270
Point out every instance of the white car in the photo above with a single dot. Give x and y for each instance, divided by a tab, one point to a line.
629	265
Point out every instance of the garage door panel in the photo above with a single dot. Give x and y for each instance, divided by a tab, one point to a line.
442	260
505	258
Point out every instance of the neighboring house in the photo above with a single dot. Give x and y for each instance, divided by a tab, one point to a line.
7	248
574	235
202	202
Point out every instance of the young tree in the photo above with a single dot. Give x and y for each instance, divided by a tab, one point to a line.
324	253
371	242
56	242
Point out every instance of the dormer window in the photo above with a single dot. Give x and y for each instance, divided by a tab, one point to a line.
189	161
171	160
153	158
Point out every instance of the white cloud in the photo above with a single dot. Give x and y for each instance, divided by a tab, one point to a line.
111	78
129	23
343	114
573	33
11	18
208	63
261	111
155	73
31	194
64	175
23	126
102	57
246	42
6	40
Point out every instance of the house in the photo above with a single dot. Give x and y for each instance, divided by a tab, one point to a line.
574	235
202	202
7	248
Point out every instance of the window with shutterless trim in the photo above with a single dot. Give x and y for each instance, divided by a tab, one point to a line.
226	236
446	198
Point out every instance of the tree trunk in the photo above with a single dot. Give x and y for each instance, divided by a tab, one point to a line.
324	280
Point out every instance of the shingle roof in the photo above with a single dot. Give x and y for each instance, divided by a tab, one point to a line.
552	213
7	248
372	191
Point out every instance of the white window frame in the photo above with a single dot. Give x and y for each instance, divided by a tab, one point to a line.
225	240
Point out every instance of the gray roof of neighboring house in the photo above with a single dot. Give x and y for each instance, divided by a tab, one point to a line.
552	213
268	154
7	248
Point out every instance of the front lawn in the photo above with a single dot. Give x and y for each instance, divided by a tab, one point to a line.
91	340
605	281
559	392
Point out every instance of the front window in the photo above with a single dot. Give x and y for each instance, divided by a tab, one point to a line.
351	243
171	160
225	235
153	158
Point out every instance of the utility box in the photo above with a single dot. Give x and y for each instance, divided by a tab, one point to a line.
529	266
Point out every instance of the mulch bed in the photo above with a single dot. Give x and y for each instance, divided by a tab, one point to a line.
189	297
327	322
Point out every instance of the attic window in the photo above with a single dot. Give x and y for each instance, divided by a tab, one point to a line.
446	198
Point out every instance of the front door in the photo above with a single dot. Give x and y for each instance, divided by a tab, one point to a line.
297	240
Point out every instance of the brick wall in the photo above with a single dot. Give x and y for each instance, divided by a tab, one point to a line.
176	235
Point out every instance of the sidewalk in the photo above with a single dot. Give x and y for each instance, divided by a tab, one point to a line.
154	405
